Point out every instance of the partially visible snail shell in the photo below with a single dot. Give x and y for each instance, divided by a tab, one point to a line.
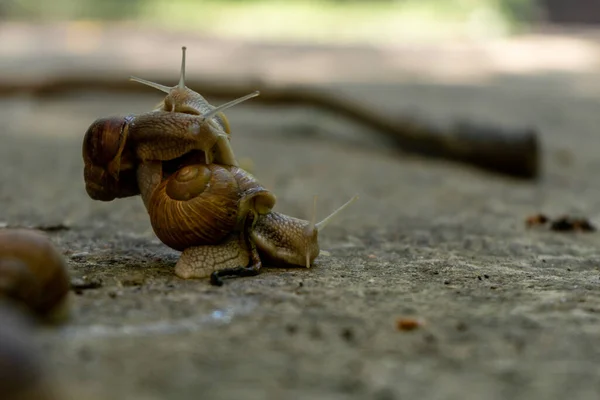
109	164
105	140
101	185
202	204
23	375
33	273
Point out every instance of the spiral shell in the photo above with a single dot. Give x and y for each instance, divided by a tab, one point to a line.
202	204
109	166
101	185
32	272
104	140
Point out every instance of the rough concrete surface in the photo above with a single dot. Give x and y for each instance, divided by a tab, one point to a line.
506	312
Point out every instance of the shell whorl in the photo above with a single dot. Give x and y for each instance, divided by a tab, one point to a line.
109	165
104	140
204	215
101	185
32	270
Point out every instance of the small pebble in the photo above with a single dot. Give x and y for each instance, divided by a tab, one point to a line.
79	284
347	334
407	324
461	326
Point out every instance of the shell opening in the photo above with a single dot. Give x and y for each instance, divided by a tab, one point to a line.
264	204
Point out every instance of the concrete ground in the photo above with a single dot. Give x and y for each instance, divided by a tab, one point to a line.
506	312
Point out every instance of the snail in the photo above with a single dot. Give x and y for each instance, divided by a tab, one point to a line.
222	220
33	274
23	374
184	122
199	200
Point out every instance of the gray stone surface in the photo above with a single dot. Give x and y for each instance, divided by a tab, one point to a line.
508	313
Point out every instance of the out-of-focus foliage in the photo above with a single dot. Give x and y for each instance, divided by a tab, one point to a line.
338	20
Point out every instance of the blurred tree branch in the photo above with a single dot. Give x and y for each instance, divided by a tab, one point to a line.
492	148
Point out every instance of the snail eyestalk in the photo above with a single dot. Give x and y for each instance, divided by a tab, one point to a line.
327	220
163	88
182	73
310	229
154	85
230	104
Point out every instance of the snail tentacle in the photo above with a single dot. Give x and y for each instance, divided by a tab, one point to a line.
182	100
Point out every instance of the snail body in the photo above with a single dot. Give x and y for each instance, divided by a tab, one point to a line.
222	220
33	274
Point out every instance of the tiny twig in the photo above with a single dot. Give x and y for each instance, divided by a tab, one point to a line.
488	147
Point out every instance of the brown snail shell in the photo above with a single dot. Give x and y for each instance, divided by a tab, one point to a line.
23	374
202	204
105	140
101	185
109	165
32	272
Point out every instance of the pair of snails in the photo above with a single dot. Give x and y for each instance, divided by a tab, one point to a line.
179	158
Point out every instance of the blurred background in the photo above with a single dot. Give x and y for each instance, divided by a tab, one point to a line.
441	38
374	21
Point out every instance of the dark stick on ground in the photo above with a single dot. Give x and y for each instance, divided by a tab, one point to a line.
514	153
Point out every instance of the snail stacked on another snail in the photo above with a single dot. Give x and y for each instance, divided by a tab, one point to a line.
183	122
198	199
